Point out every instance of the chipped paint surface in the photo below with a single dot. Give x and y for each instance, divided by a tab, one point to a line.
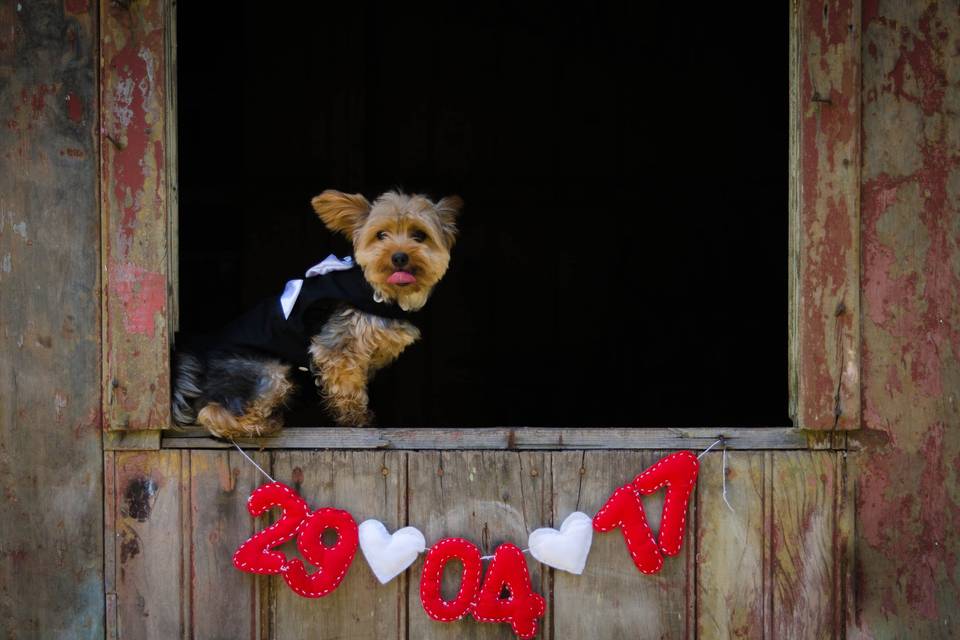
826	252
51	543
135	216
143	296
908	507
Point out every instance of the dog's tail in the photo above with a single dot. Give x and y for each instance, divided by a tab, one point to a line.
188	371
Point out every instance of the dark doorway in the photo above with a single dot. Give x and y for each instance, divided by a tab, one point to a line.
623	250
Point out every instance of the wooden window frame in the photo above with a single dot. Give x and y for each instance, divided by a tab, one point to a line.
139	257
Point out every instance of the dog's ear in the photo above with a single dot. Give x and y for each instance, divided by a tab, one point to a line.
448	209
341	212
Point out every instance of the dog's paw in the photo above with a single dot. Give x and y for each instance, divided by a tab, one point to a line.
356	418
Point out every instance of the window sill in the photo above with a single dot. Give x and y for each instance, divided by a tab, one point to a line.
513	439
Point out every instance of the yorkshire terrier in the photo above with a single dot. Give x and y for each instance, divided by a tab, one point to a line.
342	322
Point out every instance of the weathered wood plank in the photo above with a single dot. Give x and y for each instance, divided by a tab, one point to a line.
368	484
803	544
487	497
731	570
51	542
110	542
131	440
149	544
908	482
825	215
224	602
134	213
518	439
612	599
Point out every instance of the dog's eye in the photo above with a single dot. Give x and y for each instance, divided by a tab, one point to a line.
381	235
419	236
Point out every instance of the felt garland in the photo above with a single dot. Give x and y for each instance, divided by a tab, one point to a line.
521	607
504	594
332	562
437	558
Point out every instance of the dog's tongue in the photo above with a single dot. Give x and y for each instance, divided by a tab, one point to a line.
401	277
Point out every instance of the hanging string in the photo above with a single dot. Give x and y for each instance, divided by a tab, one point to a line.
704	452
244	454
723	441
527	550
727	502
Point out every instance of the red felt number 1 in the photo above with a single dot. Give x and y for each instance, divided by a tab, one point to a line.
625	511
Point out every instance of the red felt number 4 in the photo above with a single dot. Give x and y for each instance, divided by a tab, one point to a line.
624	510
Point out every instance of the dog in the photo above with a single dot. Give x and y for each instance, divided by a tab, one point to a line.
342	322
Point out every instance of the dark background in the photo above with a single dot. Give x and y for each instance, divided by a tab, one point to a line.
623	250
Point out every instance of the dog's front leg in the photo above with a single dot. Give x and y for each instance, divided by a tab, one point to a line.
343	385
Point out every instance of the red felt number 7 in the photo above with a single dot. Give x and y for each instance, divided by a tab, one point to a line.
624	510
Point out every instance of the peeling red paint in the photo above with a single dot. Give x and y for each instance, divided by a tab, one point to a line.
908	506
74	107
143	296
135	214
829	154
77	6
38	98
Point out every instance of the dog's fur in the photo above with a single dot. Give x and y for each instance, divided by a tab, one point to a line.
242	395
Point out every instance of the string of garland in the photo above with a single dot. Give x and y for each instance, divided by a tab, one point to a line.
504	594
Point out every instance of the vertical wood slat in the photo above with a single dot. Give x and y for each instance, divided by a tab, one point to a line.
803	544
730	547
134	214
612	599
149	544
825	214
368	484
221	602
773	567
488	498
51	568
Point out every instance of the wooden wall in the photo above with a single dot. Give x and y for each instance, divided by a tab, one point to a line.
51	583
775	566
908	490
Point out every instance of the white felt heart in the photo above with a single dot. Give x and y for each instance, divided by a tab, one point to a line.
388	555
566	549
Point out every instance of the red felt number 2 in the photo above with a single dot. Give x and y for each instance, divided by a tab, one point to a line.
256	555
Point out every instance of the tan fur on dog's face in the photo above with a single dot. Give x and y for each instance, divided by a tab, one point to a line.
395	223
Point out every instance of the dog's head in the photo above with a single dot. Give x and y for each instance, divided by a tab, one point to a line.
402	242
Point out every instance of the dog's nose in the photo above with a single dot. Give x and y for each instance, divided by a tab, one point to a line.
400	259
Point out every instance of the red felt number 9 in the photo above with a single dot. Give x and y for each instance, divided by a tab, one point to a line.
332	562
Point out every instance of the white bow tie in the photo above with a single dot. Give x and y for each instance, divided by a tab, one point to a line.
292	290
